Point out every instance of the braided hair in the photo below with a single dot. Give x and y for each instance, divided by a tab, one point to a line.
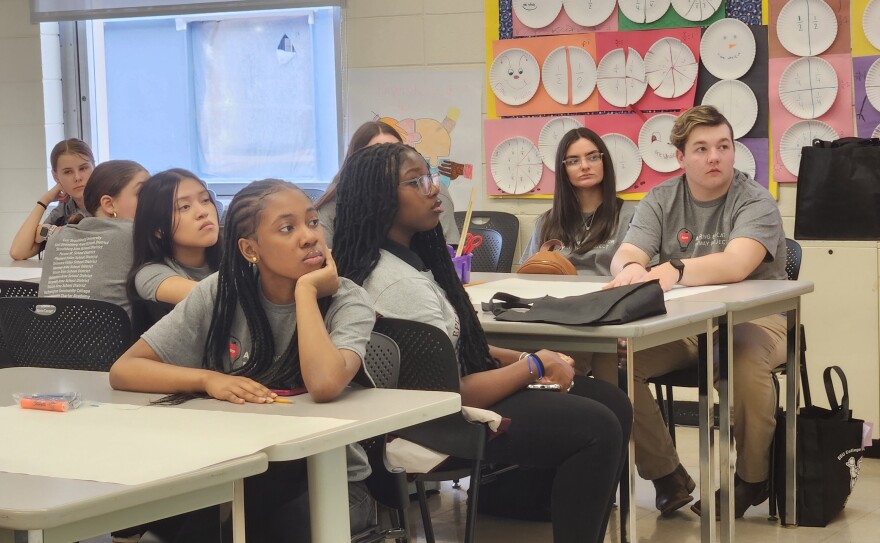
238	285
367	204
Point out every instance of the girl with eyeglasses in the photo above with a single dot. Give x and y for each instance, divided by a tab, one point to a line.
586	215
388	240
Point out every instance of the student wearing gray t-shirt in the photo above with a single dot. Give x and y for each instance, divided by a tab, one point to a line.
176	237
275	316
586	214
711	225
90	257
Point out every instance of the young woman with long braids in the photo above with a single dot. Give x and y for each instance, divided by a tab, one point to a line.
275	316
586	215
388	240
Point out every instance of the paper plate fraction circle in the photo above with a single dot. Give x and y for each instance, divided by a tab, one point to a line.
736	101
642	11
554	75
551	135
871	23
872	84
727	49
583	74
515	76
876	132
516	165
589	12
626	158
696	10
745	160
806	27
670	67
654	144
621	77
537	14
799	135
808	87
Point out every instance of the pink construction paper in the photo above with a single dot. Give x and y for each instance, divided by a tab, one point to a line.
839	117
562	25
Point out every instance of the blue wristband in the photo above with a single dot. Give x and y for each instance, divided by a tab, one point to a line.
538	365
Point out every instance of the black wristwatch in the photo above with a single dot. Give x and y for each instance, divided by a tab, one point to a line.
678	265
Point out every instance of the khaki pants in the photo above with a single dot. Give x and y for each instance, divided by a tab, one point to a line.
758	348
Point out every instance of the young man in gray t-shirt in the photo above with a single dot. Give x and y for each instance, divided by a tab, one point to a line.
711	225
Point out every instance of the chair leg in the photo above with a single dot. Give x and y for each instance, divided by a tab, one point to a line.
771	483
670	412
426	515
402	520
456	483
470	534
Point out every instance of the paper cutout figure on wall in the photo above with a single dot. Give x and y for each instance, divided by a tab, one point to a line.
285	51
515	76
728	49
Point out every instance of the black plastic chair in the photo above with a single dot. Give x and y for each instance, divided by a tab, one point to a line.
145	313
64	333
487	256
428	362
504	223
18	289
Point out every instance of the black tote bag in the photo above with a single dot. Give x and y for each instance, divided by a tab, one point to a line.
617	305
829	456
838	190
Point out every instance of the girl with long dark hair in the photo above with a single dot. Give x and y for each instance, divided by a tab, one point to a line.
388	239
275	316
176	234
586	215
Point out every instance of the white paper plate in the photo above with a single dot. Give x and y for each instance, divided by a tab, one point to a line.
872	84
696	10
551	135
871	23
876	132
727	49
736	101
516	166
589	12
537	14
803	39
515	76
670	67
801	134
621	77
583	74
626	159
641	11
654	144
745	160
808	87
554	75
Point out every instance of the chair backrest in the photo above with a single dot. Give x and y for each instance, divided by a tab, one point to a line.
504	223
146	313
65	333
487	256
18	289
381	366
313	194
792	259
427	358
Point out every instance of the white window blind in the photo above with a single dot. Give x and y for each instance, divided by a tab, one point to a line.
80	10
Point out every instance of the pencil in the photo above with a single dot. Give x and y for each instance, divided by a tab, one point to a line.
281	400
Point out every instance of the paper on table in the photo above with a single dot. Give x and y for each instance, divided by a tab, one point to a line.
526	288
130	445
9	273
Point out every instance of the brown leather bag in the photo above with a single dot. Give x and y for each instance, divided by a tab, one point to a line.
548	260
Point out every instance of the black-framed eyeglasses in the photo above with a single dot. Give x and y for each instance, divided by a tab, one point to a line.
425	183
592	158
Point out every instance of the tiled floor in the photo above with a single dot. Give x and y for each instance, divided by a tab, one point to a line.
859	523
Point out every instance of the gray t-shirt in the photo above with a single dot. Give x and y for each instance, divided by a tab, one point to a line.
670	223
596	261
179	338
327	216
63	211
400	291
89	260
149	277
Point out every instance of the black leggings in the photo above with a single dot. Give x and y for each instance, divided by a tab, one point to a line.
584	435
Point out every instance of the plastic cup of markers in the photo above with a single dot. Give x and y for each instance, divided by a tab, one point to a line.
462	265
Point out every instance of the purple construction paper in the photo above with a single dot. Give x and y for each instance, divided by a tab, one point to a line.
760	148
867	118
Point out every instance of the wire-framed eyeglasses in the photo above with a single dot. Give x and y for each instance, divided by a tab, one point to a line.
425	183
592	158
